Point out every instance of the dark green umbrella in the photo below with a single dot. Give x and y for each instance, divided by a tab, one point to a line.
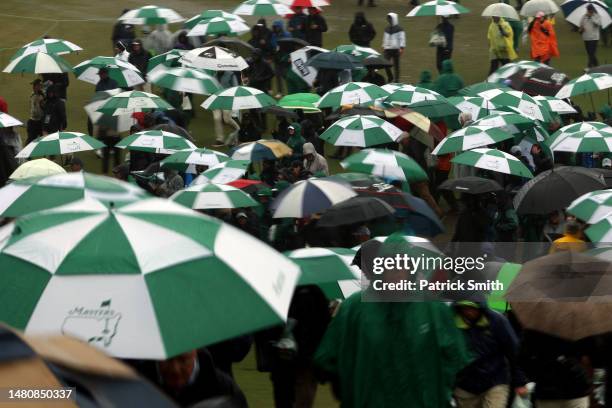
435	109
334	60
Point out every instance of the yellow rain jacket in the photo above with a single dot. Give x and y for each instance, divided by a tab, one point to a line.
500	37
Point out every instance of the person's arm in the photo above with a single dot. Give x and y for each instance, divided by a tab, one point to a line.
402	40
372	32
322	24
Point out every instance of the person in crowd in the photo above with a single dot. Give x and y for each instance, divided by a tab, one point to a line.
75	165
314	163
297	23
35	122
160	39
493	374
448	83
315	27
543	39
227	79
501	47
280	59
394	42
362	32
444	52
426	81
54	110
326	80
260	72
139	57
123	32
105	83
373	77
590	27
572	239
261	38
295	140
121	51
250	127
182	42
59	81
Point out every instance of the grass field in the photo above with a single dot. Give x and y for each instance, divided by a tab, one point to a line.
88	23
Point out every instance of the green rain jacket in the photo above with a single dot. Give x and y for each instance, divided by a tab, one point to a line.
448	83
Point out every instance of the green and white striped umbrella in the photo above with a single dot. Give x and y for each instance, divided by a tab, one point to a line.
591	207
125	74
324	265
169	59
185	80
121	123
208	14
416	245
469	138
568	130
38	63
262	8
151	15
133	280
7	120
200	156
601	231
357	51
511	68
408	94
218	26
129	102
476	106
386	164
208	196
361	131
59	143
523	103
223	173
352	93
237	98
33	194
559	106
595	141
156	141
493	160
584	84
506	121
48	46
438	8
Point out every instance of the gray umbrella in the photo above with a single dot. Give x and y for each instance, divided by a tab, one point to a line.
355	210
334	60
471	185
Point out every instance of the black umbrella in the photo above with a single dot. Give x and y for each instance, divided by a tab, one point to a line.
540	81
354	111
291	44
601	69
355	210
237	45
607	175
555	189
334	60
471	185
280	111
377	62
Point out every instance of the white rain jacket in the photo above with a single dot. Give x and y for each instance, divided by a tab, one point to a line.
394	37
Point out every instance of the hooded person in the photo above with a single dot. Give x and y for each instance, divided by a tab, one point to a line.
139	57
444	52
448	83
160	39
590	27
425	80
373	77
295	140
123	32
260	37
362	32
297	23
543	39
259	72
501	43
394	42
315	27
313	161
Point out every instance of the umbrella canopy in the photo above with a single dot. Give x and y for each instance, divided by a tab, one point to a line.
564	287
262	8
233	44
38	63
556	105
151	15
413	245
299	60
568	130
218	26
507	70
502	10
306	3
41	193
36	168
307	197
493	160
506	121
48	46
323	265
185	80
7	120
438	8
214	58
125	74
334	60
200	156
133	101
522	102
361	131
237	98
477	88
361	53
540	81
156	141
223	173
59	143
291	44
208	196
263	149
208	14
304	101
477	106
409	95
376	62
471	185
555	189
574	10
592	207
595	141
469	138
169	59
585	84
601	231
602	69
352	93
386	164
425	132
149	268
533	7
121	123
355	210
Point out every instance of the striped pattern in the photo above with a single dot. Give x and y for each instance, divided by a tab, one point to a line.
151	15
124	73
511	68
595	141
592	207
218	26
223	173
38	63
155	141
169	59
493	160
262	149
129	102
438	8
361	131
352	93
262	8
470	137
309	197
407	95
601	231
568	130
574	10
238	98
208	14
324	265
185	80
209	196
48	46
7	120
478	107
584	84
59	143
199	157
356	51
522	102
556	105
385	164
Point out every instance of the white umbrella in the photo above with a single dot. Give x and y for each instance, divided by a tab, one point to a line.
532	7
214	58
501	10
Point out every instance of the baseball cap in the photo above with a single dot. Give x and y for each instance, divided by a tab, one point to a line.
606	162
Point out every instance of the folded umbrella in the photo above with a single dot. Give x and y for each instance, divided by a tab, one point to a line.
355	210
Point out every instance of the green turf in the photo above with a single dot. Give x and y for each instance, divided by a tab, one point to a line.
23	21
